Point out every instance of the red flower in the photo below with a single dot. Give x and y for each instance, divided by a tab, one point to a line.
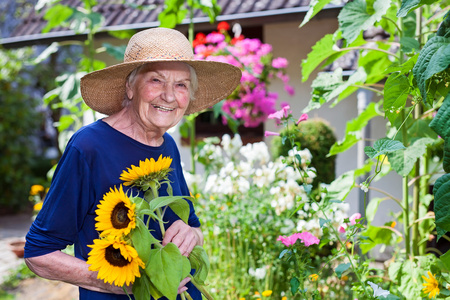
223	26
236	39
200	39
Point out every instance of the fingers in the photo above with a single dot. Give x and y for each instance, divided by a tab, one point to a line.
181	287
182	235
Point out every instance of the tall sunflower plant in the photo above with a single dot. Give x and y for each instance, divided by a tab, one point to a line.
126	253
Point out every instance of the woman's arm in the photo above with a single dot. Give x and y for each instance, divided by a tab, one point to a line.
63	267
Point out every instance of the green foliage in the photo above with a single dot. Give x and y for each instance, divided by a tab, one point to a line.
17	275
19	119
318	137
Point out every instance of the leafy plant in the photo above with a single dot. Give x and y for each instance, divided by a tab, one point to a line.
316	136
409	72
19	119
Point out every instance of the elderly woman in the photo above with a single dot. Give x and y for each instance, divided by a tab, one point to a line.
158	83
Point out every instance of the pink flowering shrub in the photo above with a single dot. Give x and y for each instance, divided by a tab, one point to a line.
305	237
251	103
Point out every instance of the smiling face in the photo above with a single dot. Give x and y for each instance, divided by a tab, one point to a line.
160	94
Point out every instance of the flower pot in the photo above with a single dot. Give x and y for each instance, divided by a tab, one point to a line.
17	247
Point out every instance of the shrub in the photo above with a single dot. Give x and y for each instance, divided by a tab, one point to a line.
19	119
317	136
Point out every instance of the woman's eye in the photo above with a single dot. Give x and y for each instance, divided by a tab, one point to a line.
182	85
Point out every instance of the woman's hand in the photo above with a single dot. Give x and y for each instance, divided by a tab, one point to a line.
183	236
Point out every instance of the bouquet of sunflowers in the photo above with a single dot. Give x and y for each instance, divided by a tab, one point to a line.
132	254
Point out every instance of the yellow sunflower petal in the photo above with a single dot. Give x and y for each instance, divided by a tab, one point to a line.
108	258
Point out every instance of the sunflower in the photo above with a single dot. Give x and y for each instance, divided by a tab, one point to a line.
431	287
116	214
148	171
115	260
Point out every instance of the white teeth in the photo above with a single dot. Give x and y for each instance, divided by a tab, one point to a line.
163	108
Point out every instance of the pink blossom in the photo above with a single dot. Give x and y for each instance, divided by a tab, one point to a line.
282	113
308	239
342	228
289	89
215	38
302	118
270	133
288	240
305	237
280	63
354	217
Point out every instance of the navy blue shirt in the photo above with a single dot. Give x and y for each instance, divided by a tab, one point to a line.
94	158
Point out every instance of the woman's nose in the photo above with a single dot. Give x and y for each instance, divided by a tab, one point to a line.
168	93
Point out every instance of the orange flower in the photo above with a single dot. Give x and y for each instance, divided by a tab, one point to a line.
393	224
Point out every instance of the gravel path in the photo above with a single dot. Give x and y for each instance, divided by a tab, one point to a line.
16	227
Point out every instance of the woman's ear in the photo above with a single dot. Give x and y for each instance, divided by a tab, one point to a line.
128	90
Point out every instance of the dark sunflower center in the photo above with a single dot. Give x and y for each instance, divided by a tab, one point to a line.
119	216
114	258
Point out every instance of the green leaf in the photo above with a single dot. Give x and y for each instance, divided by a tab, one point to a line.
434	58
56	16
376	236
328	86
441	191
341	269
186	267
441	125
115	51
53	48
383	146
396	90
173	13
340	187
142	240
402	161
320	51
164	201
165	269
409	44
409	5
315	6
405	67
122	34
373	62
142	285
446	259
354	17
372	209
295	283
200	262
353	129
441	122
181	208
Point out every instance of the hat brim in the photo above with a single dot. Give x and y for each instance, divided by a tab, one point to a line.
104	90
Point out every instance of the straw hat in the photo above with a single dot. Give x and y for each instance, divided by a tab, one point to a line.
104	90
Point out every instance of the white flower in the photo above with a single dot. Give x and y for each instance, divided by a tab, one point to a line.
377	291
365	187
258	273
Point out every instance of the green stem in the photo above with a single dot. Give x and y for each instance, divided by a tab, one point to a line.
336	234
201	288
161	225
416	196
192	142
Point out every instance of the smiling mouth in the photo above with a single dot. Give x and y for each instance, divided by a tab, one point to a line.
162	108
